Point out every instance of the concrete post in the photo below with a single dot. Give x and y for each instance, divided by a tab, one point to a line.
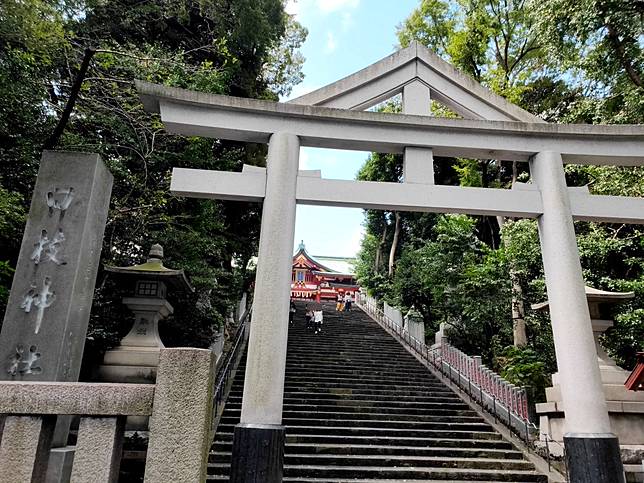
593	451
418	163
258	445
180	423
24	449
98	450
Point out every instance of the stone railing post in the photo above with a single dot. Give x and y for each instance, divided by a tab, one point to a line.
180	420
98	450
24	449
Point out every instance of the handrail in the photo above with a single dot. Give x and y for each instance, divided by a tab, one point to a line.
223	374
505	401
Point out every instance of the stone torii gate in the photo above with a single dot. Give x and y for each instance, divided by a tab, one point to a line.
491	128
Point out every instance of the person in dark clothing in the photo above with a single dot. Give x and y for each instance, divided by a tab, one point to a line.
348	300
309	317
291	313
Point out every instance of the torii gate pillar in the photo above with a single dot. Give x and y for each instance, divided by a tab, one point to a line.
258	442
592	450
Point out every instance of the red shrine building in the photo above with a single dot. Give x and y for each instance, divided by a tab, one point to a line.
311	279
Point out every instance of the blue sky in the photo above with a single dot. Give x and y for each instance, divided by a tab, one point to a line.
344	36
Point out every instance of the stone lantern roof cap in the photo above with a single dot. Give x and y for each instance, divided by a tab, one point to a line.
153	269
595	295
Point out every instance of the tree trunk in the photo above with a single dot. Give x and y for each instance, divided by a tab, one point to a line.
520	337
394	244
381	246
620	50
51	142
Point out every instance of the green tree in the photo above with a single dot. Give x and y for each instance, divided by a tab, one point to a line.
560	60
495	42
599	43
463	283
244	48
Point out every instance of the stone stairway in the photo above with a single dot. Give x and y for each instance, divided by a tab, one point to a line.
359	408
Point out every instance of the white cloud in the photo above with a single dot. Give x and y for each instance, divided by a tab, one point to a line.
331	44
297	7
328	6
292	7
347	21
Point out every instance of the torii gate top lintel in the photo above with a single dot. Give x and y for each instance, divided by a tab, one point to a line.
201	114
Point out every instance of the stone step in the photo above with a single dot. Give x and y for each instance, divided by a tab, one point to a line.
236	393
293	437
366	390
342	371
399	461
321	349
323	367
382	377
362	407
289	415
359	408
377	431
367	380
342	352
296	479
428	402
449	474
368	356
332	366
328	342
329	364
290	384
369	449
402	424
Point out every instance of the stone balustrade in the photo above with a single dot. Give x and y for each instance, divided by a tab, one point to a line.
179	406
505	401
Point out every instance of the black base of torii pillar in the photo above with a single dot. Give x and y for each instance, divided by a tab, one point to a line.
593	458
258	451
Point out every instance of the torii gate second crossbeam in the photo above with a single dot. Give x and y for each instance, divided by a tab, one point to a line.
259	438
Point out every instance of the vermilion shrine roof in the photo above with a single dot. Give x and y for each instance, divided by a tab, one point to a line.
303	257
635	381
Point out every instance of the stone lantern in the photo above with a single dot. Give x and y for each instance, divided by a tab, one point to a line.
625	408
137	356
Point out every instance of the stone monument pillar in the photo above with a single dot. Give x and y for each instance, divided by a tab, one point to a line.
43	333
